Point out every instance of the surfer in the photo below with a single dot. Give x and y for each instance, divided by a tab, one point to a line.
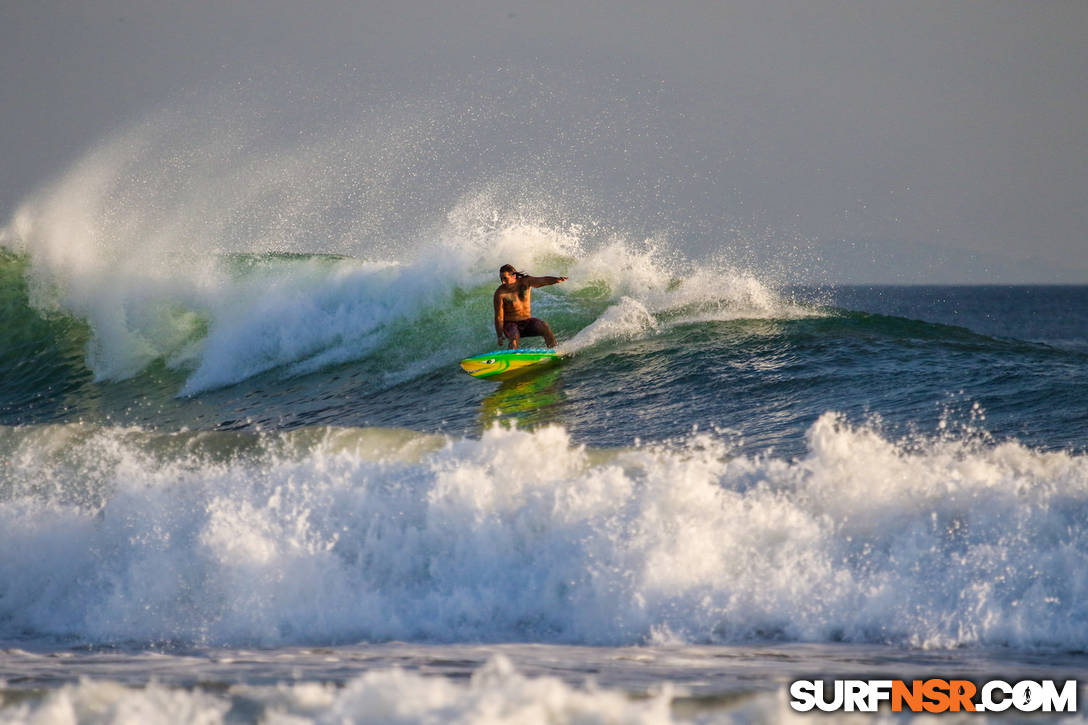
513	306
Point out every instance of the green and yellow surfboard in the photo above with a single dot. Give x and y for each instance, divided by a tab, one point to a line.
502	364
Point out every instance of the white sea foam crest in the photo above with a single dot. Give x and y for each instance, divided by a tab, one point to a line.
525	536
626	319
110	703
647	287
497	694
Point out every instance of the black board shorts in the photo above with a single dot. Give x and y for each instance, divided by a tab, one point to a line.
531	327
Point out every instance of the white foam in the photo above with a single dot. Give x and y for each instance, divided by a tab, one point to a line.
104	702
313	316
647	288
496	695
525	536
626	319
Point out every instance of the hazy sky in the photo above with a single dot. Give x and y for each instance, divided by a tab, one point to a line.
902	140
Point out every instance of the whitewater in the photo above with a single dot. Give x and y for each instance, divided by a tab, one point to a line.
242	477
341	535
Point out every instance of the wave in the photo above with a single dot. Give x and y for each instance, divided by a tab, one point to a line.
335	535
296	314
215	244
496	693
214	255
230	318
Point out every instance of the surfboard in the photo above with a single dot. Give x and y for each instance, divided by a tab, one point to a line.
501	364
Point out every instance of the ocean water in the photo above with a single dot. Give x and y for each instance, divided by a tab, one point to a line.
249	482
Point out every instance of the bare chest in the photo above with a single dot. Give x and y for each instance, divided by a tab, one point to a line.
516	301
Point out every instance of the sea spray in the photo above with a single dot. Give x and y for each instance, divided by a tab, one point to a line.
140	239
225	317
522	535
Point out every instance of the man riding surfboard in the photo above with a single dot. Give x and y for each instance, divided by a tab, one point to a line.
513	307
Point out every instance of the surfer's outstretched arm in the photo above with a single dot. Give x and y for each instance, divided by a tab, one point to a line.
542	281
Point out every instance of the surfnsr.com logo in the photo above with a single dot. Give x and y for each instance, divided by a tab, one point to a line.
933	695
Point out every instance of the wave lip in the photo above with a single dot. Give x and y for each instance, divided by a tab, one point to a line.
523	536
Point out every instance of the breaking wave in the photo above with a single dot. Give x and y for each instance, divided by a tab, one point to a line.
334	535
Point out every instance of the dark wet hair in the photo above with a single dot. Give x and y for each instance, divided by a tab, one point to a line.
510	268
